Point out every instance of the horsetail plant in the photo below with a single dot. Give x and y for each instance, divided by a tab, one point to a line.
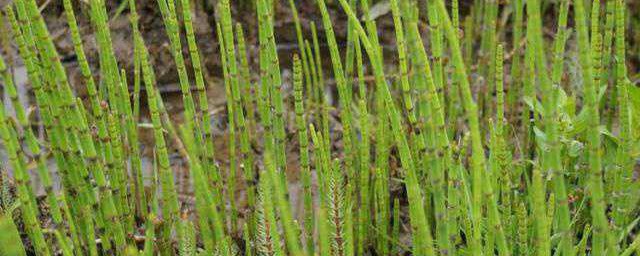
414	135
304	154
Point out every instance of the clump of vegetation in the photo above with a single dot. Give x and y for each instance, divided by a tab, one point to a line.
482	143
